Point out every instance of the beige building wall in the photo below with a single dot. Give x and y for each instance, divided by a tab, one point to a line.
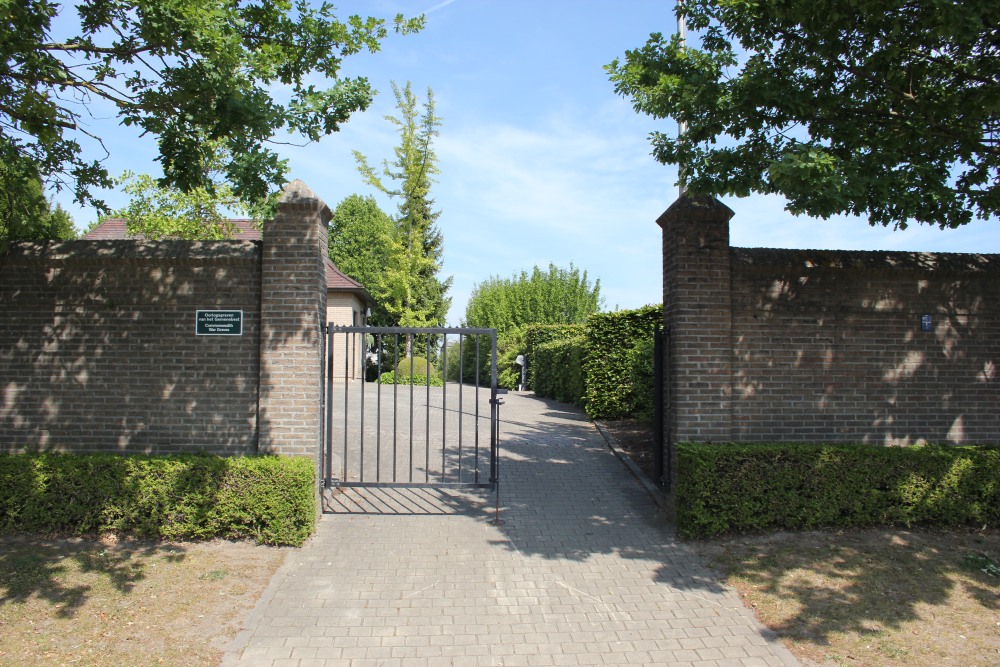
348	360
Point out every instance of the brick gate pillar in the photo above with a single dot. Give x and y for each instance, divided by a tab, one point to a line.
697	308
292	312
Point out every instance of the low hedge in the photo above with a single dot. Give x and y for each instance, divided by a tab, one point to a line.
748	487
406	379
270	500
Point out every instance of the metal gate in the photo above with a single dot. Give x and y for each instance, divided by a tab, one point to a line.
388	423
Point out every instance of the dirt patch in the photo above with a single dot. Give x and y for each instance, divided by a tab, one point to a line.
871	597
109	603
636	438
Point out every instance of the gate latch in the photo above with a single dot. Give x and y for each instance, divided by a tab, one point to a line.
496	400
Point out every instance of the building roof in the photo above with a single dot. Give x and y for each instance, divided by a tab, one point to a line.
336	280
117	229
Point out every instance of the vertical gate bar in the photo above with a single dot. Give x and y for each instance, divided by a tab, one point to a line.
395	416
327	418
444	414
494	412
347	412
460	392
476	370
362	419
378	402
427	423
411	341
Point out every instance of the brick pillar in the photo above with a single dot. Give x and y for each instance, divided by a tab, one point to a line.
292	312
697	308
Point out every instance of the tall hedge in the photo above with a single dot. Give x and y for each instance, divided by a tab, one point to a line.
558	369
267	499
537	335
609	366
761	487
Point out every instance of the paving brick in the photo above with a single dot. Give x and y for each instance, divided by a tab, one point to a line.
583	570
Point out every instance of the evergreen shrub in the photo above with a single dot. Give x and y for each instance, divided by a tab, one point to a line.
764	487
270	500
420	366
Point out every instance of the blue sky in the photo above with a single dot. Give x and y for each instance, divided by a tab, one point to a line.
540	161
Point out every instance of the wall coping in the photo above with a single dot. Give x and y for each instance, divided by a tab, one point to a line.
873	261
132	252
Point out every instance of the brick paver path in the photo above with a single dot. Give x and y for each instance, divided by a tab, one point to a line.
583	571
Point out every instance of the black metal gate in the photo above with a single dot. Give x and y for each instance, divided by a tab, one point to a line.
410	407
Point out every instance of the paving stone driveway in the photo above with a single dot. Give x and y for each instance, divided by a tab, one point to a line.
584	570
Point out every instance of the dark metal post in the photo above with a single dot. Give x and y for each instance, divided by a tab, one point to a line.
658	407
668	444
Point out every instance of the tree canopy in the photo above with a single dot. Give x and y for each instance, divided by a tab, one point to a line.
365	246
192	73
408	179
888	109
25	213
556	296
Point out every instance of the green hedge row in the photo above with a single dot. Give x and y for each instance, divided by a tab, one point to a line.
267	499
618	365
406	379
611	377
543	376
558	369
749	487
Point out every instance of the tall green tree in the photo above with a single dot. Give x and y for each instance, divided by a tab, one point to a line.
888	109
191	73
407	179
364	244
556	296
25	212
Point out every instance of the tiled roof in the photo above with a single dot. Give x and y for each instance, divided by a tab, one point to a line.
116	229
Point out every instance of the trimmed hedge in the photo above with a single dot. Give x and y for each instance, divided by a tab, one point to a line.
558	370
614	389
762	487
406	379
267	499
536	335
421	368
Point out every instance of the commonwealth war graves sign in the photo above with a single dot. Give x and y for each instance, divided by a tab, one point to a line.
218	323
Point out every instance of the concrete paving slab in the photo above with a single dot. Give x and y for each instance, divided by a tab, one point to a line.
584	569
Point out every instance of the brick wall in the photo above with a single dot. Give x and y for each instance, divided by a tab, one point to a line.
696	305
293	309
805	345
98	350
831	346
